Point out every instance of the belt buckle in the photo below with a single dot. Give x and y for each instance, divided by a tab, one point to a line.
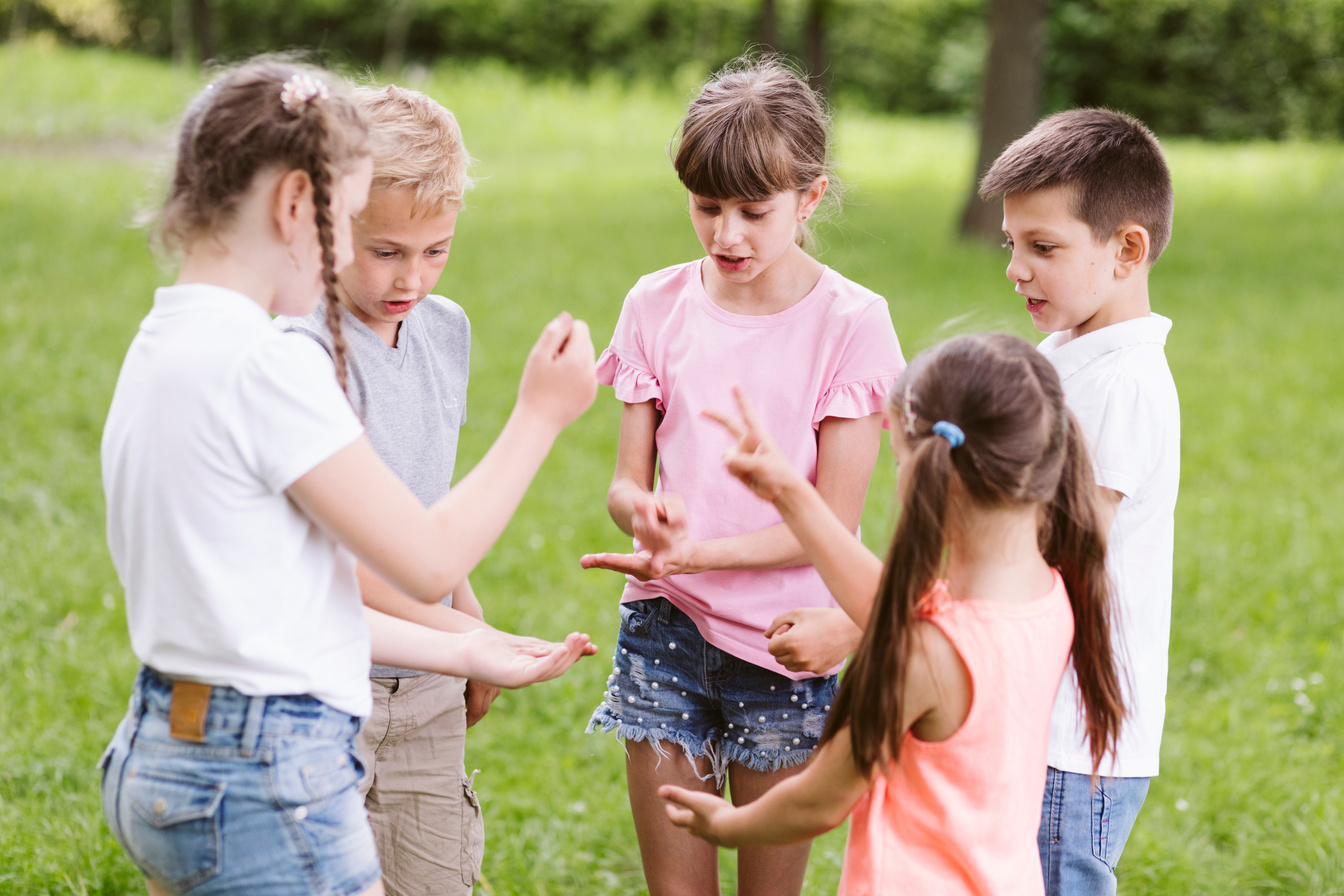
186	713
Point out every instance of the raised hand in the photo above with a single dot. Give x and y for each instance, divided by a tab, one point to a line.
559	380
695	811
755	459
505	660
659	522
813	639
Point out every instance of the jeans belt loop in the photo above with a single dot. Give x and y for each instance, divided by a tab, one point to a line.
256	708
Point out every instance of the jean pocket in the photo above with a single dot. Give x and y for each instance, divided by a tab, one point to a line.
473	833
1102	810
638	616
173	829
331	774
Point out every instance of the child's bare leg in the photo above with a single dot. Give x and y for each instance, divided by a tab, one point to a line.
766	870
675	862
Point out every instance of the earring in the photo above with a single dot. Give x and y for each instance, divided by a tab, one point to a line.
293	258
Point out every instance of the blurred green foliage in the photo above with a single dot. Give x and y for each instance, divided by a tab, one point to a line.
1227	69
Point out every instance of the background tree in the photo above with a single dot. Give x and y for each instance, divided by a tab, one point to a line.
767	24
1010	102
816	58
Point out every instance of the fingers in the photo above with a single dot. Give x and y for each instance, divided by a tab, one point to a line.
748	412
738	430
579	644
677	810
578	342
783	622
560	658
631	564
673	510
554	335
479	697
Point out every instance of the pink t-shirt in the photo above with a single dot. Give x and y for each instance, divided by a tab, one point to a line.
959	817
833	354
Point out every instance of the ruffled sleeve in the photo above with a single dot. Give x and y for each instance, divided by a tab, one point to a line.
632	384
856	399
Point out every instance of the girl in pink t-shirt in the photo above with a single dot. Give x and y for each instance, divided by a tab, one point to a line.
721	614
937	744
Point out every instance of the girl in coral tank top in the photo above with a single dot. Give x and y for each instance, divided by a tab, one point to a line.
936	748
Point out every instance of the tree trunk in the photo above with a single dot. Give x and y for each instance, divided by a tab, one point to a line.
203	18
181	31
398	34
767	25
18	21
815	56
1010	102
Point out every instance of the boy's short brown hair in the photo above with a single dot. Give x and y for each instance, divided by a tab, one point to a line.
417	145
1112	161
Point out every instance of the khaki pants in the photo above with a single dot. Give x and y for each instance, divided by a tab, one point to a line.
425	816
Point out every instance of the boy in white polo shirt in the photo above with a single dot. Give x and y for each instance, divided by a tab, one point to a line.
408	356
1087	208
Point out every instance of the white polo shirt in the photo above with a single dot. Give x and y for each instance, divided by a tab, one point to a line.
1117	382
215	414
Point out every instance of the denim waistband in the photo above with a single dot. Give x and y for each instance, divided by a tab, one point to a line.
242	719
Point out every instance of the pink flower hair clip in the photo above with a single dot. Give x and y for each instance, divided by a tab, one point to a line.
300	90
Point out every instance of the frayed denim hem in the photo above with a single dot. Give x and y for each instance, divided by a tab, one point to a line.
604	720
763	760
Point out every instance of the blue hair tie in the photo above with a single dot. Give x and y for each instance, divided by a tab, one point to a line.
950	431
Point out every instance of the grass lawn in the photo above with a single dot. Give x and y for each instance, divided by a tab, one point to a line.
576	199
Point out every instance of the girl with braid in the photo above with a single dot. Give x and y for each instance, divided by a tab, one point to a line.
240	491
936	746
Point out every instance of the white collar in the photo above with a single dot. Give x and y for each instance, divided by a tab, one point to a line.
1071	355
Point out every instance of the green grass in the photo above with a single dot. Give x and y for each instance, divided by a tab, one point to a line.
576	200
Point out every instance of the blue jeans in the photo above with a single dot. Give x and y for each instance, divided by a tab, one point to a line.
1083	831
669	685
269	803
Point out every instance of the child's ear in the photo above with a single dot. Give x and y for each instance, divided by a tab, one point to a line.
1131	253
812	197
290	203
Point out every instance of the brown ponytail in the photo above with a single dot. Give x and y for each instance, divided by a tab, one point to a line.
1073	542
1022	447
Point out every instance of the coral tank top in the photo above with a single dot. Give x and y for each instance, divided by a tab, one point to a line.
959	816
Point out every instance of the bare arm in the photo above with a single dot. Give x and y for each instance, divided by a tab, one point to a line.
486	655
849	569
478	695
426	553
380	596
935	703
801	807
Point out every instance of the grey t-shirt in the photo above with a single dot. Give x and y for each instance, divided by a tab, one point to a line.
412	398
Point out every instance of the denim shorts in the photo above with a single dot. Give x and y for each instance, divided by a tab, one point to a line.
669	685
269	803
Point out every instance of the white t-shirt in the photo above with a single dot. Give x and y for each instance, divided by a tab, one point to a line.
1117	382
215	414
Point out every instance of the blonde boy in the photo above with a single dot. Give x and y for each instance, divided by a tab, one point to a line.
1087	208
408	352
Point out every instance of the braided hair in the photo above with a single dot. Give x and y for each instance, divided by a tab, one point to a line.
268	112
